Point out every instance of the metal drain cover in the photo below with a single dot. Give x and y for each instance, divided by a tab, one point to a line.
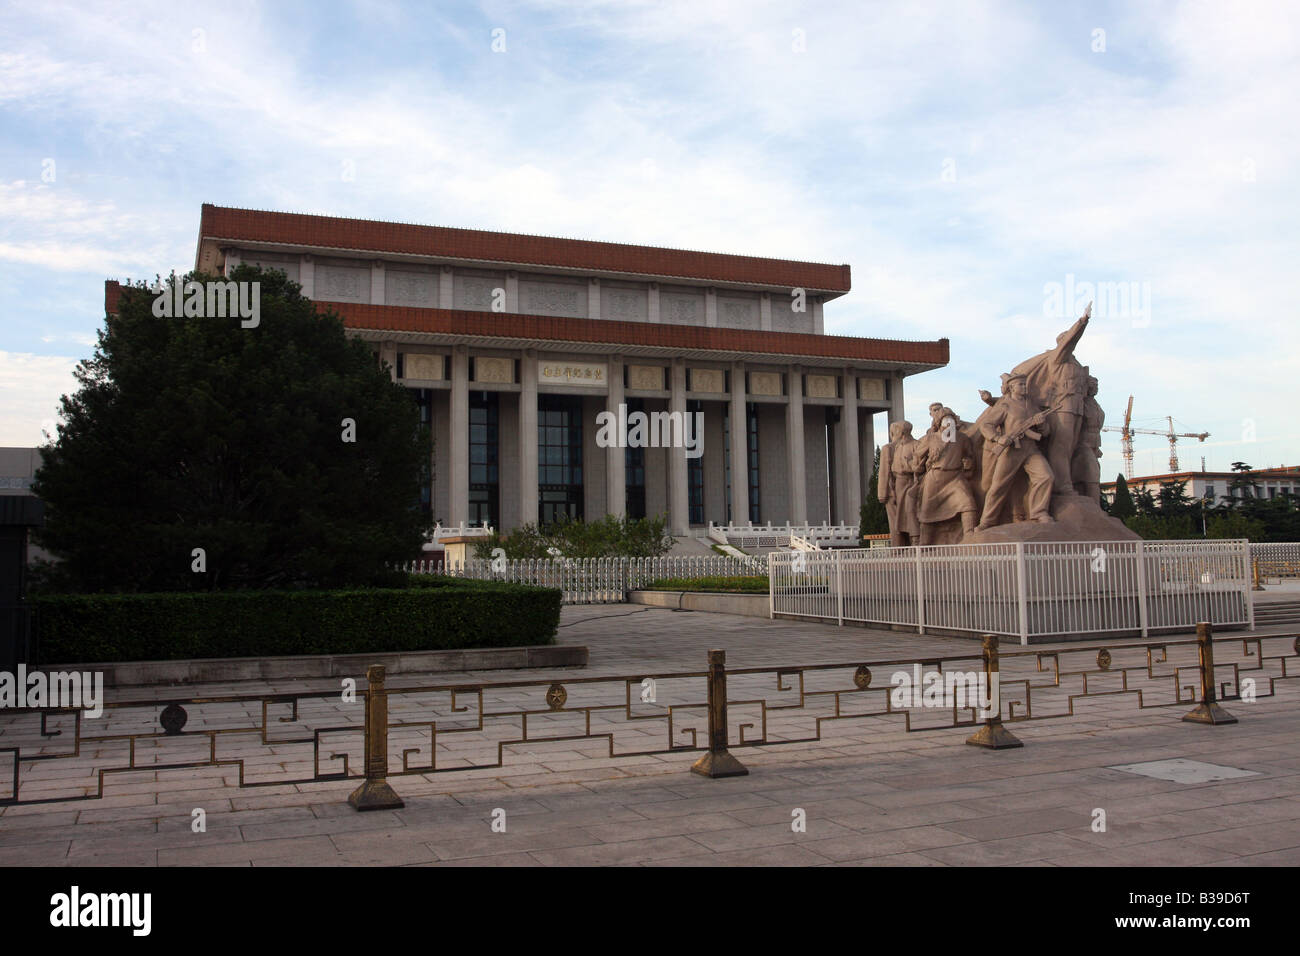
1184	771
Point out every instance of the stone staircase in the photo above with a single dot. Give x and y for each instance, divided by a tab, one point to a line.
1278	614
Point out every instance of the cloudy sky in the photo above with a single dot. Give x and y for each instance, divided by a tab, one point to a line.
970	160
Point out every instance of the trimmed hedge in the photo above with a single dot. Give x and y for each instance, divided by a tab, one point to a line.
745	584
431	613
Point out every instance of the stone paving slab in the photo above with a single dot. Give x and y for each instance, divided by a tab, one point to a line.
871	793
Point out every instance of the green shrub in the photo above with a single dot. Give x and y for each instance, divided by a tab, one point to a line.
433	613
608	537
749	584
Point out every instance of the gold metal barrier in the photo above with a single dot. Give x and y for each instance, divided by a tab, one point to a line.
1261	570
777	706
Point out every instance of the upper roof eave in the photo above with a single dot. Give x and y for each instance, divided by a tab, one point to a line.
221	224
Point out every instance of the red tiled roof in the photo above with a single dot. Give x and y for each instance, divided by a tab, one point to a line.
510	325
225	223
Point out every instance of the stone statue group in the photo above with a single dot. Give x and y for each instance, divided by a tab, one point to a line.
1036	444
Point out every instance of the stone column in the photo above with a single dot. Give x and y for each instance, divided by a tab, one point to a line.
512	291
307	276
652	303
867	448
849	497
377	282
679	505
798	508
615	454
528	437
896	399
765	312
593	299
710	307
739	424
458	480
446	288
388	354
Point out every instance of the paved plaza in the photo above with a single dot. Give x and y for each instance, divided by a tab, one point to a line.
868	792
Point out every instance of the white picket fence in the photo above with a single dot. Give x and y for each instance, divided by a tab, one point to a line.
594	580
1021	590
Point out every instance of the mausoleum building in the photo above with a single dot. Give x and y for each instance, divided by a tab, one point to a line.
513	345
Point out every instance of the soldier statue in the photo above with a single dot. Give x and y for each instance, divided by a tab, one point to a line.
945	460
895	485
1016	426
1085	468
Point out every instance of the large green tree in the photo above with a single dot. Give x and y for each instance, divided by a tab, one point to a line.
231	437
1122	507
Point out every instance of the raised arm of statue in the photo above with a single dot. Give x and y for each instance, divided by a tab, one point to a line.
1067	340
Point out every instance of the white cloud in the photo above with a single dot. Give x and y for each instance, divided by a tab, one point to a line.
30	389
695	124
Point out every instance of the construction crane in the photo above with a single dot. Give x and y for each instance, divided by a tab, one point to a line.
1127	431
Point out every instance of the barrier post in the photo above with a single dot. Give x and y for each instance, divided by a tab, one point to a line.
993	735
718	761
1207	711
375	792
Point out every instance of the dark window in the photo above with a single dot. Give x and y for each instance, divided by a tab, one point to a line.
751	415
483	458
634	462
726	457
832	418
424	401
559	457
695	473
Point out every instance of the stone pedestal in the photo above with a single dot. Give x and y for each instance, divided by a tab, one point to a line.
1077	519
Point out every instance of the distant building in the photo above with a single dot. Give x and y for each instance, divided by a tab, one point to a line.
1217	485
20	513
18	470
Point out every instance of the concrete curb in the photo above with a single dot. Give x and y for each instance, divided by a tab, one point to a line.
220	670
745	605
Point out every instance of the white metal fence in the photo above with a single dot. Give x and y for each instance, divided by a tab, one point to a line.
595	580
1021	590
